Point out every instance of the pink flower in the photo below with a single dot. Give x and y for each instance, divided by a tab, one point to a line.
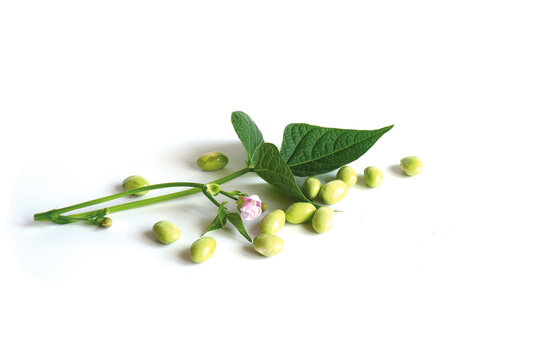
250	207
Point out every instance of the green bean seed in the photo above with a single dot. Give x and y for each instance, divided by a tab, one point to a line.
333	192
166	232
106	222
373	176
299	212
134	182
273	222
347	175
268	244
411	165
202	249
311	187
323	220
212	161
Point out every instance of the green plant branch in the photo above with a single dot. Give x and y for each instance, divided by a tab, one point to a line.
196	188
229	194
211	198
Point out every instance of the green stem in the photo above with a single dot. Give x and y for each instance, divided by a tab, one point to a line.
197	187
211	198
228	194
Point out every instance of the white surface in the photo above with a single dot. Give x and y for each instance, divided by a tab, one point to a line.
440	266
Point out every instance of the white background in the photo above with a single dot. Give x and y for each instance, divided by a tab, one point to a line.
444	265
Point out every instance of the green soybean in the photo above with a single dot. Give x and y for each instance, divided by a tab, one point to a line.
299	212
212	161
411	165
268	244
106	222
373	176
311	187
135	182
347	175
166	232
323	219
202	249
273	222
333	192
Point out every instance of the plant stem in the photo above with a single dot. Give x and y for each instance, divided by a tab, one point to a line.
196	187
228	194
211	198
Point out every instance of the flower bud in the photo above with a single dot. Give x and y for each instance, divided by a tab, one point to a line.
249	207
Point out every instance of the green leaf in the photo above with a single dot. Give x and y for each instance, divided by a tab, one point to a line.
236	220
271	168
219	221
249	134
311	150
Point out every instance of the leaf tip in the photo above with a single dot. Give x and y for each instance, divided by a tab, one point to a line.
237	115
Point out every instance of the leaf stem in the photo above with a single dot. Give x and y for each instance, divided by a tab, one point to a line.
228	194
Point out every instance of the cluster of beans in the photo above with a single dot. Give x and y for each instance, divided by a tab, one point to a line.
267	243
167	232
201	250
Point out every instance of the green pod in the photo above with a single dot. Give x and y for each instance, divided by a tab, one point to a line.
311	187
299	212
323	219
166	232
135	182
268	244
273	222
202	249
347	175
411	165
333	192
373	176
212	161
